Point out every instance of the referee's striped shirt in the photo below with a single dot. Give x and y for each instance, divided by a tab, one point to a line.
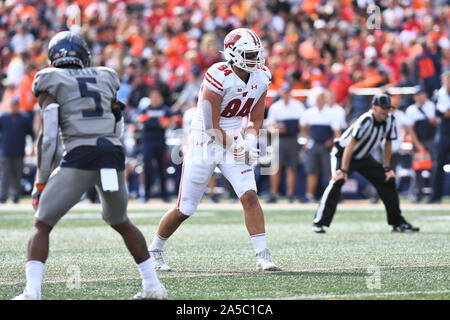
368	133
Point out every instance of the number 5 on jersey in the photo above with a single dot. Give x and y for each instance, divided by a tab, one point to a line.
86	93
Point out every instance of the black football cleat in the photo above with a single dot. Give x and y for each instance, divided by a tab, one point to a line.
405	227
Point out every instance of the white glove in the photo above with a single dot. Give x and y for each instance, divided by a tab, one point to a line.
253	152
244	150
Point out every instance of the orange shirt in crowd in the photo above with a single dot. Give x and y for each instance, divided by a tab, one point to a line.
309	6
27	100
371	79
137	44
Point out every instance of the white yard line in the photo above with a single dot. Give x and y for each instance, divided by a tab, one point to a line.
180	274
355	295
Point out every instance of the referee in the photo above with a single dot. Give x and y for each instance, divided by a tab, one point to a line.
352	153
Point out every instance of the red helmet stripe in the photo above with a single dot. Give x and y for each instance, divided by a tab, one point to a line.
253	37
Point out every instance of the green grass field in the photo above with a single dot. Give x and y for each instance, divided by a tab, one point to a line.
212	255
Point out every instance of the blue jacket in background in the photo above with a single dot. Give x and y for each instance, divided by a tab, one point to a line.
427	71
153	132
13	129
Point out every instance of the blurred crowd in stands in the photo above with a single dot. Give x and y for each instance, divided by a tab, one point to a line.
162	48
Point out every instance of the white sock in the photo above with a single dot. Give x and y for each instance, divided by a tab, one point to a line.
149	279
34	271
259	242
158	242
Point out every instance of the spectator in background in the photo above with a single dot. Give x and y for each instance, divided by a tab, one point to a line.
27	100
401	122
339	112
319	126
139	89
406	80
370	78
8	95
16	68
284	117
442	147
190	88
14	127
392	64
340	84
427	70
154	119
422	123
22	39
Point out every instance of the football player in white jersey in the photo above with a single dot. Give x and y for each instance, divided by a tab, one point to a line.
230	91
79	103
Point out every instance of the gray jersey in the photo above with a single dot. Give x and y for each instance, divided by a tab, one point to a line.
85	97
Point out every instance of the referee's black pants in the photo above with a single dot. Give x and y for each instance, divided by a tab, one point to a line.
373	171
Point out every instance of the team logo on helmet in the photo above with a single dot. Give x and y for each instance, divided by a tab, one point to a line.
68	49
231	40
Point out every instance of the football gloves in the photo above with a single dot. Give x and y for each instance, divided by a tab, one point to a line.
244	150
36	194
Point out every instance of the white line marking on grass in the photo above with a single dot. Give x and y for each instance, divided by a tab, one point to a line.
356	295
190	274
435	218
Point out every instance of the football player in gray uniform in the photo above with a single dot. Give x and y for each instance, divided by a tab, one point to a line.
80	103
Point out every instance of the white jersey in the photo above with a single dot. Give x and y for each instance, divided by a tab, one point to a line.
238	97
401	121
340	113
427	111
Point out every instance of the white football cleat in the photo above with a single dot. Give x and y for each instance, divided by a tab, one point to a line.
157	294
28	296
157	257
264	261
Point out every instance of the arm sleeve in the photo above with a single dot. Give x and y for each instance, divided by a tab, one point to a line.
47	145
207	114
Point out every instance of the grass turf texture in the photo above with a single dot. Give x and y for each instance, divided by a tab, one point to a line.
212	256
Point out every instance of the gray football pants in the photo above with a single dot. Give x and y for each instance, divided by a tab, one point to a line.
65	188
